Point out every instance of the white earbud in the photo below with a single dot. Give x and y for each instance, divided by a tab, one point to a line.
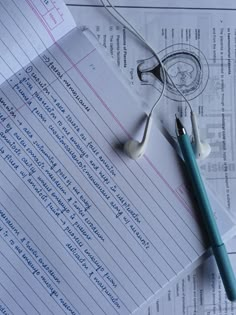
135	149
201	149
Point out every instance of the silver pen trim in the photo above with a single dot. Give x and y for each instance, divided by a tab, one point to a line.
180	130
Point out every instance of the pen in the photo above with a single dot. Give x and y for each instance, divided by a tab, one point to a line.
218	247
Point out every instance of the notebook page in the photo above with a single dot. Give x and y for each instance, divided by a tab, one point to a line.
161	3
23	36
83	229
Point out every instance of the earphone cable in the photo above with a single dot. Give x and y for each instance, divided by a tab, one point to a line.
133	31
140	37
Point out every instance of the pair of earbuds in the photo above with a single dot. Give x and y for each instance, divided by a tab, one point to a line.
135	149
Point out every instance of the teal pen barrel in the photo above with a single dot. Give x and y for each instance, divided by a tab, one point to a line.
199	190
226	271
217	245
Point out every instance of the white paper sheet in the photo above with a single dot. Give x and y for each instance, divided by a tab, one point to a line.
194	294
84	229
23	37
201	292
209	35
161	3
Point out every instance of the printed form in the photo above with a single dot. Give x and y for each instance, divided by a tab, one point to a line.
209	26
83	229
204	34
199	293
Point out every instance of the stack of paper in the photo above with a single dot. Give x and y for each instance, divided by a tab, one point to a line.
165	24
83	229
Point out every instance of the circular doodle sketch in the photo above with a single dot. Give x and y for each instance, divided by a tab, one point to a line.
186	65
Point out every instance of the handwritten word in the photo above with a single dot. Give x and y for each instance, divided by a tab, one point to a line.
15	149
93	259
41	148
105	290
49	270
31	265
82	230
94	229
128	208
9	223
3	310
9	109
74	236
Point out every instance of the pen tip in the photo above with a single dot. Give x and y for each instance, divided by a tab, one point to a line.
179	127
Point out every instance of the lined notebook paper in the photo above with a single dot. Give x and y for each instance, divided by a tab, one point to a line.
83	229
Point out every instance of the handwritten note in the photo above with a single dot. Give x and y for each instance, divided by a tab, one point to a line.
83	229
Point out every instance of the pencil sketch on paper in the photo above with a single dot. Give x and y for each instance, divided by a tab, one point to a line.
186	65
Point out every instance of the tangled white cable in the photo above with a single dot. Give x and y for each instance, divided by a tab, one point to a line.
136	149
